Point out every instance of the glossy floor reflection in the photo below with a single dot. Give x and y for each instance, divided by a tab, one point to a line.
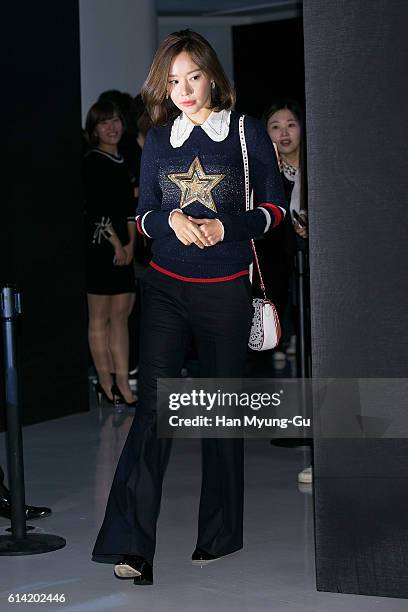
69	465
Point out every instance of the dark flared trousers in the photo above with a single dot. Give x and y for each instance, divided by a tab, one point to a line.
217	316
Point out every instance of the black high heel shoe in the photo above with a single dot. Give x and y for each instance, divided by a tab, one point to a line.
119	399
31	512
101	393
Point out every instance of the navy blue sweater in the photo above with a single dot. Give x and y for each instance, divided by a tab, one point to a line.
219	166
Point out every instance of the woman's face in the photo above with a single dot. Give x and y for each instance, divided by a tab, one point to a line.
189	87
109	131
284	129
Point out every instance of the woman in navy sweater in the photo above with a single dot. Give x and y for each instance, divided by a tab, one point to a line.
192	204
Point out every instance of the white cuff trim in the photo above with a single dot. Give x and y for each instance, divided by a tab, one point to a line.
268	218
142	223
171	213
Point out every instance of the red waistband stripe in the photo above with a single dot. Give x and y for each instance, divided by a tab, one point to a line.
218	279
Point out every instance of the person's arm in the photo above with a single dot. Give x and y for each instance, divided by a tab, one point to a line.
107	231
151	221
130	212
269	201
130	246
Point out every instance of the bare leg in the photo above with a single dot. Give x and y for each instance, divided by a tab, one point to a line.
99	309
111	364
131	303
120	308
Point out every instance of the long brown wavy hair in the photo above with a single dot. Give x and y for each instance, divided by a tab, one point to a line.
201	52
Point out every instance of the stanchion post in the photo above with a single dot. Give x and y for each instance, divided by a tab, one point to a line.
10	310
18	543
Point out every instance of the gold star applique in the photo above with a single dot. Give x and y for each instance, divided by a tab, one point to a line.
195	185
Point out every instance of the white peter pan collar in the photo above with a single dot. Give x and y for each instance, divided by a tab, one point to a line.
216	126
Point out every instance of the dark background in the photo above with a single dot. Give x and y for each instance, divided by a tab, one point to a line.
268	64
41	229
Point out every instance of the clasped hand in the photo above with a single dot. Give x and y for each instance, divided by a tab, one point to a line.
201	232
123	254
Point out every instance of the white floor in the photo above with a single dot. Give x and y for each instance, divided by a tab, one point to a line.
69	465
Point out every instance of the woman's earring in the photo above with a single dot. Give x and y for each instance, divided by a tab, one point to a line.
212	84
167	96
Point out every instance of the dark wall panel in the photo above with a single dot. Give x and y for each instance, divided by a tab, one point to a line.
268	63
42	233
356	98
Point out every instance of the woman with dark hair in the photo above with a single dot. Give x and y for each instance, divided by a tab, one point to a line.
192	204
110	211
284	123
285	126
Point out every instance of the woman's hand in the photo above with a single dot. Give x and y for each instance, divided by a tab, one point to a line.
211	229
300	230
187	231
120	256
129	250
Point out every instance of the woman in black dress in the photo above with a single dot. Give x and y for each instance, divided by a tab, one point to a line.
110	218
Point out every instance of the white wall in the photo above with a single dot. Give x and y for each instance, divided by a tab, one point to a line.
118	39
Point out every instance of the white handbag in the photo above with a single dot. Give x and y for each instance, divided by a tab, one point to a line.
265	331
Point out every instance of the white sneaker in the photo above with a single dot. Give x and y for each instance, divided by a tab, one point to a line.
306	475
291	349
